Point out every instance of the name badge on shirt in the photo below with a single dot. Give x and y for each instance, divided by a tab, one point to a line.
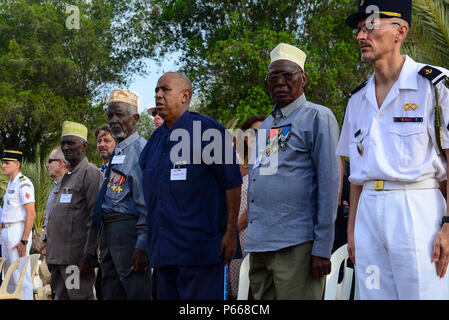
118	159
65	198
178	174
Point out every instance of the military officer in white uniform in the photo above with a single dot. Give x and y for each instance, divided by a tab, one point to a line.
17	220
397	141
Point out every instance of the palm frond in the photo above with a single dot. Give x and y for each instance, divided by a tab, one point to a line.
38	174
428	41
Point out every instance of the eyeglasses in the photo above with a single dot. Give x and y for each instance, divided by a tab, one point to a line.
154	113
368	28
287	76
50	160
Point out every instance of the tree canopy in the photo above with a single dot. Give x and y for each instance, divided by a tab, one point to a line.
55	61
226	47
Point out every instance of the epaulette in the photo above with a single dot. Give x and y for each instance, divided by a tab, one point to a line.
432	74
358	89
22	178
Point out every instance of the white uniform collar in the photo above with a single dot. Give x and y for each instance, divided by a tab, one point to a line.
408	80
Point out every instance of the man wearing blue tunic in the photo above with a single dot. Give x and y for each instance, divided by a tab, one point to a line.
192	202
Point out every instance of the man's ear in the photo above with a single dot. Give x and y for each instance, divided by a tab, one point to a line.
304	79
186	94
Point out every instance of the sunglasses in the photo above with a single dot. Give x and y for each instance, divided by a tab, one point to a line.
154	113
50	160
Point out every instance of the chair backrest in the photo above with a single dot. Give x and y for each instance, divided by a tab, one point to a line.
34	262
13	267
334	290
244	279
18	293
2	260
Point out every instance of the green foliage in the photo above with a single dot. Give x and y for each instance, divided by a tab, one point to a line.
333	64
50	73
38	174
145	125
428	39
226	47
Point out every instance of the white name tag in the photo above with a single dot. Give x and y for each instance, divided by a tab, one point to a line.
118	159
65	198
178	174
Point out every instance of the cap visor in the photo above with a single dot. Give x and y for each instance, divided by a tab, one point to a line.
353	19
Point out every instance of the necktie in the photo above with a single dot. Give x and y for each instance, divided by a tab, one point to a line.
103	168
96	219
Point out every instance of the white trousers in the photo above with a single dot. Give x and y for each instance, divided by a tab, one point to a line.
393	235
9	238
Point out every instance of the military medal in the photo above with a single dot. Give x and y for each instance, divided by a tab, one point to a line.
360	149
359	144
284	136
271	141
277	139
120	182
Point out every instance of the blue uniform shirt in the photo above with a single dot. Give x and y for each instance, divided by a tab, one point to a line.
187	219
124	194
298	201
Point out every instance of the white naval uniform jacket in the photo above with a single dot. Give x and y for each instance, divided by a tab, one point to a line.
396	151
19	192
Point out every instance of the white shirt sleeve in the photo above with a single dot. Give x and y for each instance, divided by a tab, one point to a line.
443	90
345	136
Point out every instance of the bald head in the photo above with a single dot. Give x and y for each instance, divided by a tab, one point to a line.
173	93
182	81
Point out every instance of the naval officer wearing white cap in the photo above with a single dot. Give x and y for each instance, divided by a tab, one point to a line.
292	206
17	220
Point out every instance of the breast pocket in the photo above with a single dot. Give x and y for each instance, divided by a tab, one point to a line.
76	200
410	141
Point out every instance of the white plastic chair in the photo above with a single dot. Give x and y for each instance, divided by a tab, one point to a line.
2	260
18	292
34	263
243	291
333	289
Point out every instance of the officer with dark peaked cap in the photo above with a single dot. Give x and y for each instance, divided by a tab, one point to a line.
17	220
397	139
384	8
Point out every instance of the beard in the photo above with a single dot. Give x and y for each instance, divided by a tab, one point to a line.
117	132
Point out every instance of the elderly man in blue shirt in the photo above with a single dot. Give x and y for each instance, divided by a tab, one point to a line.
293	188
121	207
192	202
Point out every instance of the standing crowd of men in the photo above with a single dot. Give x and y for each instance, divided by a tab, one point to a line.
170	204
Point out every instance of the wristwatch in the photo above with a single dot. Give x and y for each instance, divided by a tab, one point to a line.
444	220
24	242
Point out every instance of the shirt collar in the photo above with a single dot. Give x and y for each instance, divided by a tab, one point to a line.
288	109
408	79
81	164
17	177
180	123
127	142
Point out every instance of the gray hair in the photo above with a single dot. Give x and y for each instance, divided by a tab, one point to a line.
60	155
